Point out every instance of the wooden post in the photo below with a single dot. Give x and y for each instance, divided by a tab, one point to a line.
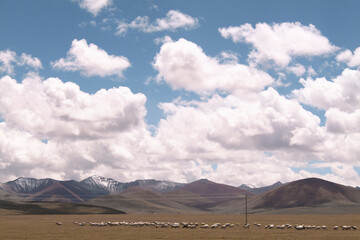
245	209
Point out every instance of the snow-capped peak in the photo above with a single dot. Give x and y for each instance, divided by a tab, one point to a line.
247	186
28	185
106	184
102	180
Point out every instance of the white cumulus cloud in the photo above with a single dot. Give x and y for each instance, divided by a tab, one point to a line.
91	60
351	59
342	92
184	65
8	58
262	122
28	60
280	43
339	98
298	69
343	122
94	6
174	19
53	109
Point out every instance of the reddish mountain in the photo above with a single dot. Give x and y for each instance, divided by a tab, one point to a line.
215	192
307	192
66	191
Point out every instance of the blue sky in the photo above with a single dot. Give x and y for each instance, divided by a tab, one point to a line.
180	90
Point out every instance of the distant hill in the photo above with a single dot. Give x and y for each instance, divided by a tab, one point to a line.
54	208
32	189
4	195
260	190
138	200
310	193
195	197
101	185
215	192
27	185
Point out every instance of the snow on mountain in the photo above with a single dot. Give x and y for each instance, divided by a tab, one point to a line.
112	186
165	186
28	185
92	186
103	184
246	186
259	190
161	186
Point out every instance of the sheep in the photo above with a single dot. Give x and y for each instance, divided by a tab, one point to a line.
269	226
59	223
215	225
280	227
175	225
223	226
354	227
204	225
344	227
247	226
299	227
336	227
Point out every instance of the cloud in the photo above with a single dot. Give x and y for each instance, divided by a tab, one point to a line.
280	43
52	109
298	69
339	98
261	135
184	65
342	122
90	60
7	58
311	71
174	20
237	133
94	6
162	40
230	122
28	60
351	59
342	92
19	151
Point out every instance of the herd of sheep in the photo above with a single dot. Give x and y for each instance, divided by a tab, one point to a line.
191	225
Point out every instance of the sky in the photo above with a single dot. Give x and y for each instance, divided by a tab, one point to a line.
238	92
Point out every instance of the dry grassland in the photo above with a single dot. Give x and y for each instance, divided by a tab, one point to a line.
43	227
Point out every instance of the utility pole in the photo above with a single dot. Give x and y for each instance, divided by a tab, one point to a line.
245	209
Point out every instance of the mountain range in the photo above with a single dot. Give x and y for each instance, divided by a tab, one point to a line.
105	195
74	191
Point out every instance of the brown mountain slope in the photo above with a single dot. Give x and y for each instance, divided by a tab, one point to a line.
53	208
7	196
214	191
57	192
187	198
307	192
138	200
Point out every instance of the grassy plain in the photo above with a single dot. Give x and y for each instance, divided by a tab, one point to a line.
43	227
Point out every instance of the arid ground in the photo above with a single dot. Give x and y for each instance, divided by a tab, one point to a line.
44	227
